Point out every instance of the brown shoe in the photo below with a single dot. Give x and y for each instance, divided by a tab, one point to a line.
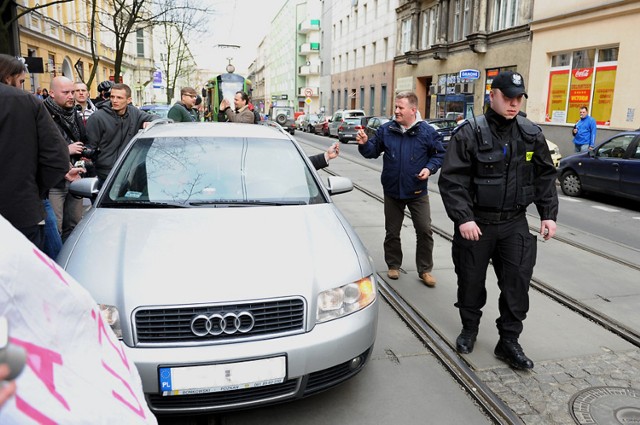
393	274
428	280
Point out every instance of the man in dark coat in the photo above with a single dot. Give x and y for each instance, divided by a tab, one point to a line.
33	158
112	127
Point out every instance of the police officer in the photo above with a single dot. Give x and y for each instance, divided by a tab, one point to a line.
494	168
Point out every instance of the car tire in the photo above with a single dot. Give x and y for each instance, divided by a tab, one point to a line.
281	119
310	129
341	140
570	184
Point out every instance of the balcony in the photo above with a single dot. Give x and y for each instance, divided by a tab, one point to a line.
309	70
308	25
309	48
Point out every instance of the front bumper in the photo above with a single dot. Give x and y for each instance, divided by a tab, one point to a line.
315	360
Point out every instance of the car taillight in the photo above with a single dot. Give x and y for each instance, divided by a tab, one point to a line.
340	128
358	127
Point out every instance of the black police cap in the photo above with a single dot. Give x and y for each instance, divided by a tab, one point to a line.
510	83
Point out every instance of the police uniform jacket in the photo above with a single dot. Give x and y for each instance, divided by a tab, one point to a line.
405	155
493	179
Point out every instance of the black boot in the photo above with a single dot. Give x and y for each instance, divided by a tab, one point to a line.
510	351
465	341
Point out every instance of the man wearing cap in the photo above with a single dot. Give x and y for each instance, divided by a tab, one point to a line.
183	111
495	166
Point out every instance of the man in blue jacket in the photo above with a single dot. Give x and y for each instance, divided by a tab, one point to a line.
412	152
584	132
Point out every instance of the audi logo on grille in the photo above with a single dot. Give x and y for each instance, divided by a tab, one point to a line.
216	324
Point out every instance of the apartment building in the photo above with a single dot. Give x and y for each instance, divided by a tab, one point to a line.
58	38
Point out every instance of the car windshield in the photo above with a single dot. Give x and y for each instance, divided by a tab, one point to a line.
161	111
209	171
352	121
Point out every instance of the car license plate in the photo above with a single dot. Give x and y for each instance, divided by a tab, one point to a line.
221	377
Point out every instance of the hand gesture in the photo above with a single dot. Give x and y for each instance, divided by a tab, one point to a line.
361	137
76	148
334	150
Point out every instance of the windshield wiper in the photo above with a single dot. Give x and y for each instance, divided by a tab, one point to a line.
246	202
143	204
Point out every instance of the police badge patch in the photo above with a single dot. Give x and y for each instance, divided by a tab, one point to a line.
516	79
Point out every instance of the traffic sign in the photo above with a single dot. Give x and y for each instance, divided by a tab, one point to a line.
308	92
308	101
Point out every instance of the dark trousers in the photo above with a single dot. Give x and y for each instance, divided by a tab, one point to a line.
512	248
35	234
421	217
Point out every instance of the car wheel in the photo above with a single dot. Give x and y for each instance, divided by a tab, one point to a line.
341	140
281	119
570	184
310	129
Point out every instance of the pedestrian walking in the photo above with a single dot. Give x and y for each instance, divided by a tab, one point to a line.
412	152
496	165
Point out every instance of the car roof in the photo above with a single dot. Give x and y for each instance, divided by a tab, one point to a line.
162	128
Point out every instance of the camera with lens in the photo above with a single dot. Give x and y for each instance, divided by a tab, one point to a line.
91	153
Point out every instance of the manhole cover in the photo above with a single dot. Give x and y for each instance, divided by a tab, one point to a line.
606	406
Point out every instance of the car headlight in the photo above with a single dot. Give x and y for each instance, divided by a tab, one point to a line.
346	299
112	318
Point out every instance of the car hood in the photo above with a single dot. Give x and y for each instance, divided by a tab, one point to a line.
132	258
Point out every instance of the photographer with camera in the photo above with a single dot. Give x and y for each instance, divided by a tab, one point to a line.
104	93
61	106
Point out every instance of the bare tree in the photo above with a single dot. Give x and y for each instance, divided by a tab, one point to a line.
8	19
123	17
175	31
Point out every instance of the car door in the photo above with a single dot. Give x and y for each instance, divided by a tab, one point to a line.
602	170
630	172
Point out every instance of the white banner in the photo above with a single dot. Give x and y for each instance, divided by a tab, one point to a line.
76	370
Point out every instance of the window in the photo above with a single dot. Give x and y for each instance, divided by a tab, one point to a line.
505	14
385	47
582	77
466	18
364	56
428	28
457	33
383	100
346	98
405	43
373	48
140	42
372	98
362	98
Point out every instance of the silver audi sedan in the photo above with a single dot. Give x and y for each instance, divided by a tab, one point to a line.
217	256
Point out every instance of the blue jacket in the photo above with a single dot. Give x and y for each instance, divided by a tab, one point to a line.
586	134
405	155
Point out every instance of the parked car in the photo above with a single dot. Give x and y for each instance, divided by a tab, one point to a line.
444	127
613	167
298	122
309	121
322	126
340	116
283	115
350	127
556	156
373	123
178	251
161	110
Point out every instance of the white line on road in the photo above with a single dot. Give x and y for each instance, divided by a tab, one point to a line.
606	209
565	198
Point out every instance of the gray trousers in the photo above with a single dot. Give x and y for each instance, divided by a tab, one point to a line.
421	217
68	210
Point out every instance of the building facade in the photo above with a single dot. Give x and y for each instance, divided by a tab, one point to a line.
58	37
583	54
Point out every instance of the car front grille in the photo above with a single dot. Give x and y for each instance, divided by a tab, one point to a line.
173	324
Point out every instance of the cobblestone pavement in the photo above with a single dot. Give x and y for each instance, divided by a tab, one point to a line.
542	396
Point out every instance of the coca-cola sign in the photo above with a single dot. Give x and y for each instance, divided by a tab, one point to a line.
582	73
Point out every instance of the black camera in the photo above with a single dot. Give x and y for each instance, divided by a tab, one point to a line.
91	153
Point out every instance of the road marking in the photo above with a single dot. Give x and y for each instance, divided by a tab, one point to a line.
565	198
636	218
606	209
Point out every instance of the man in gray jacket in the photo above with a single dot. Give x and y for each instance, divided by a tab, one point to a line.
111	127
